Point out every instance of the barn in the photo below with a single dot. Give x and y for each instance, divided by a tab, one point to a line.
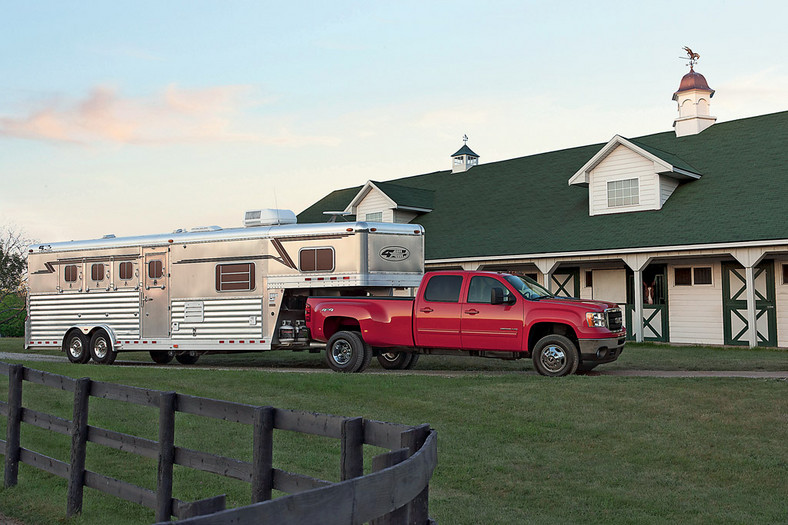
685	229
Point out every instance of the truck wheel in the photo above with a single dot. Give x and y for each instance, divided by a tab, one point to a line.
187	358
555	355
160	357
397	360
101	348
76	346
345	352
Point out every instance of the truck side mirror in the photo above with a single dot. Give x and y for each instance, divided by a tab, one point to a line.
496	296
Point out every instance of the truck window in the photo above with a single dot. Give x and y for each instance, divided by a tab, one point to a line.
70	273
479	291
316	259
97	272
443	289
235	277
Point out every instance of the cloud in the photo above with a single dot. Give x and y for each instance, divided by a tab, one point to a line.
175	115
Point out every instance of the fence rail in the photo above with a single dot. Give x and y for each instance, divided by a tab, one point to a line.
396	491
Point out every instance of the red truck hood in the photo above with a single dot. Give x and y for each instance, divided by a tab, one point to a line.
579	303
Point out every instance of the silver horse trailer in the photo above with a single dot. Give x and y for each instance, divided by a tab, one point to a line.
209	290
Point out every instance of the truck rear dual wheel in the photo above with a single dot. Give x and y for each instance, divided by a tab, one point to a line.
555	356
161	357
187	358
397	360
347	352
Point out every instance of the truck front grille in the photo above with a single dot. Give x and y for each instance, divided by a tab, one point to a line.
615	320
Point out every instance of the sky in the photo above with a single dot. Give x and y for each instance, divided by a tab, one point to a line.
144	117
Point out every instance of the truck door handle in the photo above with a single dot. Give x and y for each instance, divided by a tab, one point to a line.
472	311
426	310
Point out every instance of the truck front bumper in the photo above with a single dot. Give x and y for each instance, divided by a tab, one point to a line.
601	350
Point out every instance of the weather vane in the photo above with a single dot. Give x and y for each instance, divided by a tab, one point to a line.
692	56
465	139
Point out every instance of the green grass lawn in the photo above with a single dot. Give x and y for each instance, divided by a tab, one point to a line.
512	448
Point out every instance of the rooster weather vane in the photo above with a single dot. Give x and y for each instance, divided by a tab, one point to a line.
692	56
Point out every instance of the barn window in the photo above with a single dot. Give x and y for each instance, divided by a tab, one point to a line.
785	273
155	269
316	259
623	193
235	277
125	271
70	273
683	276
97	272
375	217
702	275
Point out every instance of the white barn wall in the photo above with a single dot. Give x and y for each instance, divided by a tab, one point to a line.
667	187
623	163
781	303
695	312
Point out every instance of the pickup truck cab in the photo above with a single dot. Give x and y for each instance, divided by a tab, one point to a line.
481	314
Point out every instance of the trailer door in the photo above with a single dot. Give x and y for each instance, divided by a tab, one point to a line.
155	293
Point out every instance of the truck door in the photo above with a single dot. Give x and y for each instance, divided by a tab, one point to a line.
155	293
437	316
487	326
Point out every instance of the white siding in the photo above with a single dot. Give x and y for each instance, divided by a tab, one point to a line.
610	285
695	312
375	201
404	216
667	187
781	298
623	163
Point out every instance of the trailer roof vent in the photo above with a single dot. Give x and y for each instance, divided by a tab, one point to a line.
268	217
205	229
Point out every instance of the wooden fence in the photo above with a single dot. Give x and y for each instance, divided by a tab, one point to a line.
396	491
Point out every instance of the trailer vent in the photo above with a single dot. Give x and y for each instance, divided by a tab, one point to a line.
268	217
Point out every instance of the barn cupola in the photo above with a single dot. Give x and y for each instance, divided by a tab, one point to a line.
464	159
693	98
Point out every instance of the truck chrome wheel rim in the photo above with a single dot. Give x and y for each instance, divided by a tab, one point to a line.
75	348
390	356
553	358
341	352
100	348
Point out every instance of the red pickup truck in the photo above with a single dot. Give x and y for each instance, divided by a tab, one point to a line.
482	314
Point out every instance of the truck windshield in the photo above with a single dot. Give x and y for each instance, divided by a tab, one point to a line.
528	288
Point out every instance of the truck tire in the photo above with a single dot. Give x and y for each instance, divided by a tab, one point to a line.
555	356
187	358
160	357
77	347
397	360
101	348
347	352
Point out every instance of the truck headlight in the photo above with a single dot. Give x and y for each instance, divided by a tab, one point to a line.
595	319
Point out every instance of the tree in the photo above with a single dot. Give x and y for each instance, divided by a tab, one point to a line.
13	281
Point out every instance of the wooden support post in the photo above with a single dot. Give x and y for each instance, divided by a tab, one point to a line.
79	438
418	509
166	455
263	454
352	455
13	425
383	461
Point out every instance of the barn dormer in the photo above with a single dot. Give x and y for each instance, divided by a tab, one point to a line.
386	202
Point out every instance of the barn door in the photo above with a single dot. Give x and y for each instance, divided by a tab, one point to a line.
734	304
155	293
655	304
566	282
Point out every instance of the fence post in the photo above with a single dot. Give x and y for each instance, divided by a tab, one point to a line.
13	425
79	438
383	461
413	440
166	455
263	454
352	455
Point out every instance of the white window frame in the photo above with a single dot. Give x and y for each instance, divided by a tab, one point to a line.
374	216
622	193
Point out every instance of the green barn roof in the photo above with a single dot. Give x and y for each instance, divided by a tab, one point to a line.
526	206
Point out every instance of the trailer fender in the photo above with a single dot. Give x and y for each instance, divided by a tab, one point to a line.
90	328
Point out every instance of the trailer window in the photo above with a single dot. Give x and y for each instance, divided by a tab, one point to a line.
155	269
70	273
235	277
316	259
97	272
443	289
125	271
